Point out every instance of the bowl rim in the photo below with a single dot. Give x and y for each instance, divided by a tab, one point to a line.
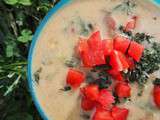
47	18
31	82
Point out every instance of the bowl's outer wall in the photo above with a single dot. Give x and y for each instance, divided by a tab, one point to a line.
31	82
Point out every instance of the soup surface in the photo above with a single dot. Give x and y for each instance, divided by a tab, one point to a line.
56	44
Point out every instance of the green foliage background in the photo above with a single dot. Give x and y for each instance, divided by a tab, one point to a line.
18	22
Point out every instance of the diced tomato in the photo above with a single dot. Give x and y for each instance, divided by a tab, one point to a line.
82	46
118	61
102	114
84	52
95	42
156	95
91	92
91	51
98	57
121	43
75	78
105	98
87	59
131	24
130	62
135	50
107	46
123	90
120	113
87	104
116	74
96	50
111	23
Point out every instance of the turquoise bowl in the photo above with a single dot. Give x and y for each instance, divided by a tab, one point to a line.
31	82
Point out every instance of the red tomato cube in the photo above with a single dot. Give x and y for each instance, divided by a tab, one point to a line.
82	46
116	75
123	90
156	95
87	59
87	104
98	57
120	113
91	51
131	24
95	42
102	114
118	61
91	92
83	50
105	98
135	50
121	44
111	23
107	46
75	78
130	62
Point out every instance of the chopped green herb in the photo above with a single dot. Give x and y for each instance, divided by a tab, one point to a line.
104	82
127	6
150	61
85	27
90	26
90	79
128	33
66	88
138	37
140	90
101	67
85	116
37	75
73	62
156	81
141	37
116	98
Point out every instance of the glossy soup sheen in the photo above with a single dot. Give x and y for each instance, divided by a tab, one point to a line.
56	45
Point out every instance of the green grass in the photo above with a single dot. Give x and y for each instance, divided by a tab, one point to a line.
18	22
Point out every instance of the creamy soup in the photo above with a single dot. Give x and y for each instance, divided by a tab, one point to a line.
56	44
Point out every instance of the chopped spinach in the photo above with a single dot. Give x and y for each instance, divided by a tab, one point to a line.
116	98
150	61
104	82
126	6
156	81
37	75
138	37
127	33
141	37
73	62
66	88
85	116
85	27
101	67
90	79
140	90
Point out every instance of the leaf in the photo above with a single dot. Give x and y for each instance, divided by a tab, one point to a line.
9	50
20	116
11	87
11	2
25	2
26	36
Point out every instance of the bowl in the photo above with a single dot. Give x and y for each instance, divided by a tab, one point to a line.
32	83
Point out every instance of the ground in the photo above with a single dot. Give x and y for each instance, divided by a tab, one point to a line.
18	22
